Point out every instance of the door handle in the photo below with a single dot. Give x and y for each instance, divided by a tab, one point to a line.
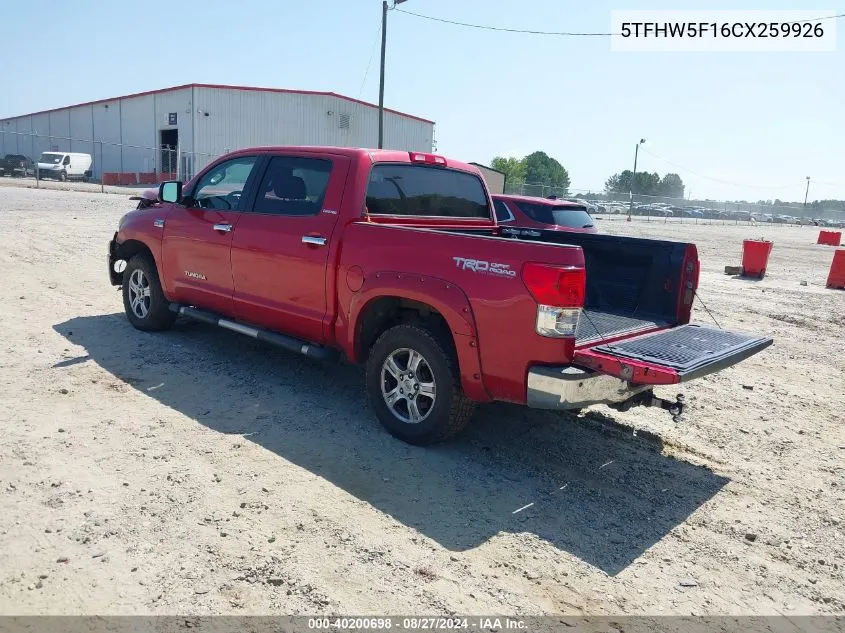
314	240
226	228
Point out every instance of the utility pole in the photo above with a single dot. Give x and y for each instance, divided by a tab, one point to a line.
381	79
633	178
807	191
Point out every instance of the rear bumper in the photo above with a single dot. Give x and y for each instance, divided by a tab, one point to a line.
571	387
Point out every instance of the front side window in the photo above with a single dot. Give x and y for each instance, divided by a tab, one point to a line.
293	185
416	190
222	187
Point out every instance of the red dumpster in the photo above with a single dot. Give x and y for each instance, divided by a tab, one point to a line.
830	238
755	257
836	278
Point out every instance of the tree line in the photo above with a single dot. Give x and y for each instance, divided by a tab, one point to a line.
646	184
538	168
541	169
535	168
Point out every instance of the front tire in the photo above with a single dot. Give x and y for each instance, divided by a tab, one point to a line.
143	300
413	386
63	176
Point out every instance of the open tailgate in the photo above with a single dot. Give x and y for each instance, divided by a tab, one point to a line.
671	356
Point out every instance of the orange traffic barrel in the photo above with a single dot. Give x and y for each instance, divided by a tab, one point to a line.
836	277
755	257
830	238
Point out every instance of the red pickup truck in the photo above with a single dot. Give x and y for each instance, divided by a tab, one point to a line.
395	259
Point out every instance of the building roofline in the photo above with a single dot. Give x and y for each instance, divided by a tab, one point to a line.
224	87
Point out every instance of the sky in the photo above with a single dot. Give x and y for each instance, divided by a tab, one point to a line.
735	126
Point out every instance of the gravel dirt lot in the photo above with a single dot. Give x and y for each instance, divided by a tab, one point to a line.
197	472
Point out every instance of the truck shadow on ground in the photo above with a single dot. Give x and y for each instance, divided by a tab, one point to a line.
600	496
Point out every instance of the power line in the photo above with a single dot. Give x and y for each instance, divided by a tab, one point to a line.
369	63
724	182
562	33
499	28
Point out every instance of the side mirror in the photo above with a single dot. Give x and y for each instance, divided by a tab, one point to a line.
170	191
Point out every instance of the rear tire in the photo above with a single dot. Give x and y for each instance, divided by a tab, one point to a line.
414	369
143	300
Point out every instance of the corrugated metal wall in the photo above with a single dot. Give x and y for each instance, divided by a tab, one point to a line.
123	135
246	118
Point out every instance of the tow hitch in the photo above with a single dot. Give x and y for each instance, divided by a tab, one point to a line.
648	399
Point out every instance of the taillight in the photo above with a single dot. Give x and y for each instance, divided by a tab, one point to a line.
563	287
689	283
430	159
559	292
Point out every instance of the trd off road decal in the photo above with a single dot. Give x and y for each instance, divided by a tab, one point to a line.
487	268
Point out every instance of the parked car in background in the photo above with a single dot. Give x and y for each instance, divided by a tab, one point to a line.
65	166
528	212
589	206
17	165
739	215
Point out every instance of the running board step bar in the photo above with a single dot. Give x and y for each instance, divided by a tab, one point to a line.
283	341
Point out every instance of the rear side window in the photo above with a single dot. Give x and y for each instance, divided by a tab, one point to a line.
569	217
415	190
293	185
503	214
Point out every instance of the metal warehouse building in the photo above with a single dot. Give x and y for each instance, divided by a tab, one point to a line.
174	132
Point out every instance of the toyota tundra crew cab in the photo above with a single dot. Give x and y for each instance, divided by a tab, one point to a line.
395	259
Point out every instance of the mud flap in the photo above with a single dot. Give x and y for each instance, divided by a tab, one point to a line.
672	356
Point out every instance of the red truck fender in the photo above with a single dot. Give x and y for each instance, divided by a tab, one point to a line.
442	296
137	237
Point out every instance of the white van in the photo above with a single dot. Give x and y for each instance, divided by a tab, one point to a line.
64	166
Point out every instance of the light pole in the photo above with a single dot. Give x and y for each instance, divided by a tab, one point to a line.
633	178
806	191
381	80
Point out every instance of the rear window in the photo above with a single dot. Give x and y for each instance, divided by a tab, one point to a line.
569	217
415	190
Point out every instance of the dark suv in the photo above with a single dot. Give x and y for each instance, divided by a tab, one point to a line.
17	165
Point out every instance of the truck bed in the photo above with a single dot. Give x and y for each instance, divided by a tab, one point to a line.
632	283
596	326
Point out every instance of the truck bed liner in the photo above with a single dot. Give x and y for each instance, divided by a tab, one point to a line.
597	325
691	350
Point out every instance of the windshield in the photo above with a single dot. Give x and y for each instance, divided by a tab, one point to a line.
566	216
48	157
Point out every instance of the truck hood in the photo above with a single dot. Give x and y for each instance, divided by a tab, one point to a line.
148	194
